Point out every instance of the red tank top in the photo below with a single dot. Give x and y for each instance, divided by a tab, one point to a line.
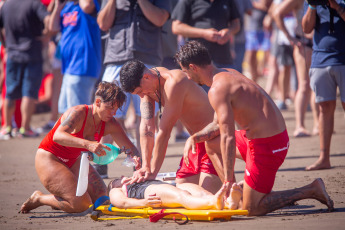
67	155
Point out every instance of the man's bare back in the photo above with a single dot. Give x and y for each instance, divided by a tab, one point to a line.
253	110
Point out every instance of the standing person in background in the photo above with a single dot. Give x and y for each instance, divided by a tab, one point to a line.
239	43
327	70
55	63
80	50
23	22
170	46
213	23
284	56
134	29
17	115
302	57
256	36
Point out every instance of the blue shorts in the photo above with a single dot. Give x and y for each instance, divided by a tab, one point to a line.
324	82
76	90
258	40
23	79
112	73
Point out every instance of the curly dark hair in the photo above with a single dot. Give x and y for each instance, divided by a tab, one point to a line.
131	74
193	52
110	92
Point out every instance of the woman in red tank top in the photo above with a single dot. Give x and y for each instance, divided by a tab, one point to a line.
79	129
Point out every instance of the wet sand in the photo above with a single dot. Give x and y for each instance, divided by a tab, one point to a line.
19	180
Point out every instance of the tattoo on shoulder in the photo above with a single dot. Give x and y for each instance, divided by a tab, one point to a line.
147	110
70	120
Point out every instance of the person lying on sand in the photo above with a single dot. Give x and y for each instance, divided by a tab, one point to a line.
157	194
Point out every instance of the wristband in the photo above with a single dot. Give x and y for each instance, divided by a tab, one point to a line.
312	7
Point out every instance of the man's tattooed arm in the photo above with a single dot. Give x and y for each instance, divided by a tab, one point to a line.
147	110
147	113
147	130
208	133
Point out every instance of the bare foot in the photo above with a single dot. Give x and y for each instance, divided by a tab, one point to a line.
315	131
321	194
301	132
31	203
219	197
240	183
235	197
319	165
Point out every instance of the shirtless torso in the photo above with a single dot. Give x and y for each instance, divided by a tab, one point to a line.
182	99
253	110
262	141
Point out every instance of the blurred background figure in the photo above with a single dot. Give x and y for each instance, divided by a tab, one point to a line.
238	45
302	45
327	70
257	38
56	82
80	50
170	43
134	31
24	23
54	60
213	23
284	57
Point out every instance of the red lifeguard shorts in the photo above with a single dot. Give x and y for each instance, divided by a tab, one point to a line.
263	157
198	162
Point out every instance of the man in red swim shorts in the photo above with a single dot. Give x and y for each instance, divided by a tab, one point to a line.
197	162
182	100
262	140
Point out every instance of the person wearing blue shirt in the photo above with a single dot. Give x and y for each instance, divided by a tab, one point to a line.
327	71
80	50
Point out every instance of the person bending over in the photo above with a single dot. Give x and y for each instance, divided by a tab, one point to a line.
182	100
156	194
79	129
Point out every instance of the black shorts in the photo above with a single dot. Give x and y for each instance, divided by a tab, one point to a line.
137	190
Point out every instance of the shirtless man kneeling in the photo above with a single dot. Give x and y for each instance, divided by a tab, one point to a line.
182	100
262	142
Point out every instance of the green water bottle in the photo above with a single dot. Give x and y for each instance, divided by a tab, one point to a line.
108	158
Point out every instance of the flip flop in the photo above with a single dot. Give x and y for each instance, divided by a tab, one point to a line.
301	134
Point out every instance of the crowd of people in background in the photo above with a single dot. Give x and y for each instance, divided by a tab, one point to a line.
53	54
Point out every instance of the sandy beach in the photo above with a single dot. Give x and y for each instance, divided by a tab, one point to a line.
19	180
